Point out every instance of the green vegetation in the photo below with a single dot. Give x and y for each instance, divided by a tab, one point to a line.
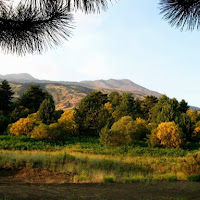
107	138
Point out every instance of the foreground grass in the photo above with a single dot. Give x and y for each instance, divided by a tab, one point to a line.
87	167
84	145
86	160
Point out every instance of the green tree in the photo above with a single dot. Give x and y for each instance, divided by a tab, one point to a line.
88	111
183	106
166	110
32	98
127	107
6	96
115	99
147	104
46	112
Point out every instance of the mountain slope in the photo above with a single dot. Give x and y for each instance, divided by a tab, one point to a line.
23	78
111	84
124	84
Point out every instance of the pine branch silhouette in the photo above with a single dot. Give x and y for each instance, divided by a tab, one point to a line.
36	25
184	14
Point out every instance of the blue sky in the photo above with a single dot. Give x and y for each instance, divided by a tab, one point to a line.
131	41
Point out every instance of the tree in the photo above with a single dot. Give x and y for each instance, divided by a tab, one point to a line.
147	104
115	99
46	111
183	106
6	95
67	121
127	107
169	135
32	98
87	115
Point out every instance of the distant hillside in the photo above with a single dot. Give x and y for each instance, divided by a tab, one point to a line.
68	94
22	78
124	85
65	96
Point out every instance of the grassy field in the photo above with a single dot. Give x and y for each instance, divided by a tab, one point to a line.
85	160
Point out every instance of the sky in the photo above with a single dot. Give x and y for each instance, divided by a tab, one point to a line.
128	41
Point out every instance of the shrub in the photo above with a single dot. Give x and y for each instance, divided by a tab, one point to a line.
196	132
105	136
68	123
23	126
140	129
56	132
190	165
40	132
121	132
126	131
194	178
4	121
168	134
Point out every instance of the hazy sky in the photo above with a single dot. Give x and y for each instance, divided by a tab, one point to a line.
129	41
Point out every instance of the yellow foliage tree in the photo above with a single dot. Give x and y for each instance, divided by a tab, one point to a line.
68	123
23	126
194	115
196	132
169	135
109	107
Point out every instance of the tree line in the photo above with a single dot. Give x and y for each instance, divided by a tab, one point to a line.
117	119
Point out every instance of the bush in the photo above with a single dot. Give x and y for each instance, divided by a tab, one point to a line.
4	121
190	165
40	132
105	136
56	132
126	131
196	132
140	130
194	178
23	126
68	123
168	134
121	132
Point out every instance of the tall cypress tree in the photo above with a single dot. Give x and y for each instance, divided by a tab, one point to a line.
6	96
46	112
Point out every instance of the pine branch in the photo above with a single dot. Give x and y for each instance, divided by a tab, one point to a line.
36	25
31	28
181	13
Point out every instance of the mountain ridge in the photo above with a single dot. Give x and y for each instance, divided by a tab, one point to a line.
115	84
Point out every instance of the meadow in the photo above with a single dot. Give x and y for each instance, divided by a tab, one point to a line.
85	160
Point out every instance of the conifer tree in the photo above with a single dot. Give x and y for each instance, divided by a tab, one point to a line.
6	95
46	111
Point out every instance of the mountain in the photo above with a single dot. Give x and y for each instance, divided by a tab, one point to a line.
68	94
124	85
22	78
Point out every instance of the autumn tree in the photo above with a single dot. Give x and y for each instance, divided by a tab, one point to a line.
168	134
67	121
